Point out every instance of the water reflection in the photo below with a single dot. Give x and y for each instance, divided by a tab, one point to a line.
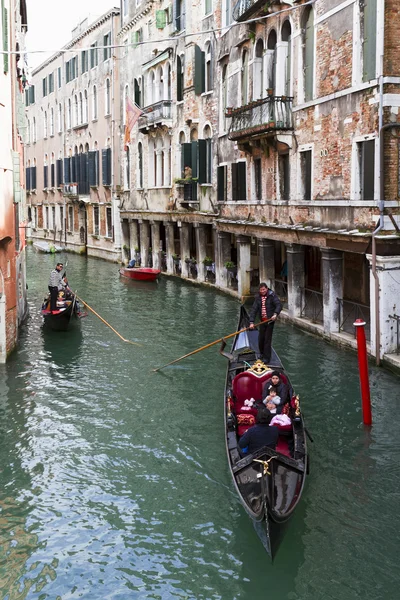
63	348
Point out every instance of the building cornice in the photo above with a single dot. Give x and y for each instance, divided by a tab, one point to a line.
135	19
113	12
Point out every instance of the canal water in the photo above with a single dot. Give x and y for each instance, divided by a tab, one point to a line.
113	479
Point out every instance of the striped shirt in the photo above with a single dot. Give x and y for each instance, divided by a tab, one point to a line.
56	279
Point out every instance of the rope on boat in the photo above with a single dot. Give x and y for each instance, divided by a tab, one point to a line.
106	323
266	464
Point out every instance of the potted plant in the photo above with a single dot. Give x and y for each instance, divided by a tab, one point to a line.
207	261
230	266
176	257
270	91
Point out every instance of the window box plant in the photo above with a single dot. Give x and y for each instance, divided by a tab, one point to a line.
207	261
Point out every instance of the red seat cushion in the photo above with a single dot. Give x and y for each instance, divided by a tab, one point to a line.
245	386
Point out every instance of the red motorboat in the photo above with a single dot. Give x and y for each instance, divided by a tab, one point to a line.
140	273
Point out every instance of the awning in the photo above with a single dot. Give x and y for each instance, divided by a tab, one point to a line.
157	59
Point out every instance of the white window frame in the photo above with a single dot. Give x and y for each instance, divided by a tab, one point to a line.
300	187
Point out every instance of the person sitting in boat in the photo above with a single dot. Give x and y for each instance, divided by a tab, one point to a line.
260	435
131	263
68	293
56	283
282	389
272	400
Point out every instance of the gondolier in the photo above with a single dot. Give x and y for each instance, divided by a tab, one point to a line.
268	306
56	283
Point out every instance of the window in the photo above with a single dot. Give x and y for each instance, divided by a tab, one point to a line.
161	18
180	14
244	79
224	95
125	99
306	174
33	175
71	69
106	166
140	166
286	36
84	61
45	124
284	176
85	107
208	66
52	172
51	122
222	183
61	218
69	114
96	220
109	229
369	20
308	53
207	7
45	173
366	169
226	12
137	37
60	123
94	103
51	83
199	71
107	46
30	95
258	178
80	116
93	168
34	130
125	6
59	169
46	220
258	71
127	178
59	80
208	155
94	56
271	55
239	186
76	111
108	98
180	77
28	131
138	92
70	218
44	86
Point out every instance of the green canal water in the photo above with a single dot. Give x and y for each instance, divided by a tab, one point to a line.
113	479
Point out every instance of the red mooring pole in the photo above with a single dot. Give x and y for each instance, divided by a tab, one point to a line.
359	324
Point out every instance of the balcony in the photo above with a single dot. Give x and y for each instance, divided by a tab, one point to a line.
261	117
244	9
156	115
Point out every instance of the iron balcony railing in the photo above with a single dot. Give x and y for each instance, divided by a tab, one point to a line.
246	8
281	291
261	116
396	318
349	312
312	305
155	114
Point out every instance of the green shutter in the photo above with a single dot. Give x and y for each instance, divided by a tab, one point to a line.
195	158
199	71
179	91
234	182
241	180
221	185
161	19
309	56
202	174
4	15
369	41
186	155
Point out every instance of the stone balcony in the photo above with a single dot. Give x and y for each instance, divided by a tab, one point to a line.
267	116
245	9
158	114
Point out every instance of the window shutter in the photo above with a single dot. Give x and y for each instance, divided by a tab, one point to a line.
160	19
138	99
67	170
83	173
234	182
202	174
32	94
241	180
186	157
45	177
106	166
309	56
369	42
179	79
195	158
199	71
92	168
52	175
33	178
221	184
28	178
59	169
4	15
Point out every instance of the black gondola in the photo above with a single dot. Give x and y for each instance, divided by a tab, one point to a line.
269	482
60	319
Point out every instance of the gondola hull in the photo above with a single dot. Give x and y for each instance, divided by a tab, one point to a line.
61	320
140	274
269	482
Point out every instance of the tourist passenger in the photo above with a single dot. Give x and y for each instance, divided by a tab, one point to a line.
282	389
131	263
260	435
272	400
268	306
56	283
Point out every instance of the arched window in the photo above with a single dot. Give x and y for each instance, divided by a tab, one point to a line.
180	77
108	97
85	107
69	114
76	111
159	162
52	122
168	163
138	92
60	123
286	35
159	87
46	172
45	124
224	95
152	165
258	71
151	88
245	77
208	151
52	171
125	98
94	103
271	60
167	81
181	155
208	64
80	108
308	52
139	183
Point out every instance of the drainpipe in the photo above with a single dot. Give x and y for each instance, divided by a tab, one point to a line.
382	129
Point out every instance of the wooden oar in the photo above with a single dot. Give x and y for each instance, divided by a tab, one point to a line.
105	322
211	344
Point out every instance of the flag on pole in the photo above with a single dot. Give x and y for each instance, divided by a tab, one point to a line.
133	113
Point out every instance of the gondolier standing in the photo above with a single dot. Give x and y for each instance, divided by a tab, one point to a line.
268	306
55	283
